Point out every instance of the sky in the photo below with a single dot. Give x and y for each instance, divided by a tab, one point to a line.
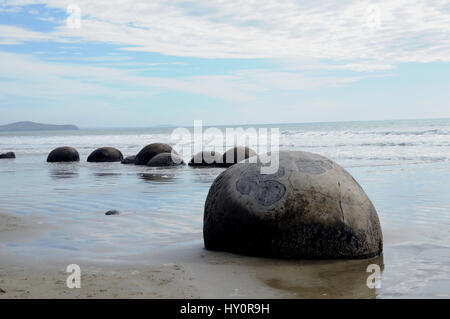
139	63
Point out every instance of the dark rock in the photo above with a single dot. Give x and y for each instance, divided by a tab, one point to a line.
310	208
206	158
166	159
7	155
105	154
63	154
129	159
236	154
150	151
112	212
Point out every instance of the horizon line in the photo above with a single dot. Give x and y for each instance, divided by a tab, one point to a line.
229	124
256	124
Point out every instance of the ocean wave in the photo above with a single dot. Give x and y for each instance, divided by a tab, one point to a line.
425	132
362	132
396	158
368	144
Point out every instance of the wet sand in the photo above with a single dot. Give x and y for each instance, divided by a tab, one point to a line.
184	272
20	228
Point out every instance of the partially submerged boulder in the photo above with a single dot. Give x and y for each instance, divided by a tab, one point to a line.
206	159
112	212
63	154
165	159
7	155
310	208
150	151
105	154
129	159
236	154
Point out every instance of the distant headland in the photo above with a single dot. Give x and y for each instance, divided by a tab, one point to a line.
32	126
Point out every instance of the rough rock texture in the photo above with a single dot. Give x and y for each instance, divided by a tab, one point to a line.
150	151
129	159
7	155
236	154
165	159
105	154
310	208
63	154
206	159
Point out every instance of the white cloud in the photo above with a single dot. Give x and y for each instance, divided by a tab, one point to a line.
303	37
410	30
11	35
357	66
28	76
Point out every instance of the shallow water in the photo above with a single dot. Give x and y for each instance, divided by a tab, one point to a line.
403	166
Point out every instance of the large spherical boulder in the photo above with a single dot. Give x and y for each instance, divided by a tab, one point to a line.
205	159
7	155
105	154
150	151
310	208
63	154
129	160
236	154
165	159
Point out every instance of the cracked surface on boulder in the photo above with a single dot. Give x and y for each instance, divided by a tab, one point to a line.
310	208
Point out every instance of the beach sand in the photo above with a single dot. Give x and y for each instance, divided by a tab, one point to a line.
184	272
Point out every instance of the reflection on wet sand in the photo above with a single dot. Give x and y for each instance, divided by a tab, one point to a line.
205	175
106	174
63	171
156	177
298	278
325	279
103	169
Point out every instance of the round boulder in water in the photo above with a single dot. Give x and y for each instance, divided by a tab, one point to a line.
112	212
105	154
236	154
7	155
129	159
150	151
206	158
165	159
63	154
309	208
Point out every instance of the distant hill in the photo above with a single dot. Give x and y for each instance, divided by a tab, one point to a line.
31	126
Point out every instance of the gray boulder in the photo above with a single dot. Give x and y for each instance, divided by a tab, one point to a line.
105	154
236	154
206	158
165	159
310	208
129	159
63	154
7	155
150	151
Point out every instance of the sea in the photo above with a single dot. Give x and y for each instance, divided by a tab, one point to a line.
403	166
